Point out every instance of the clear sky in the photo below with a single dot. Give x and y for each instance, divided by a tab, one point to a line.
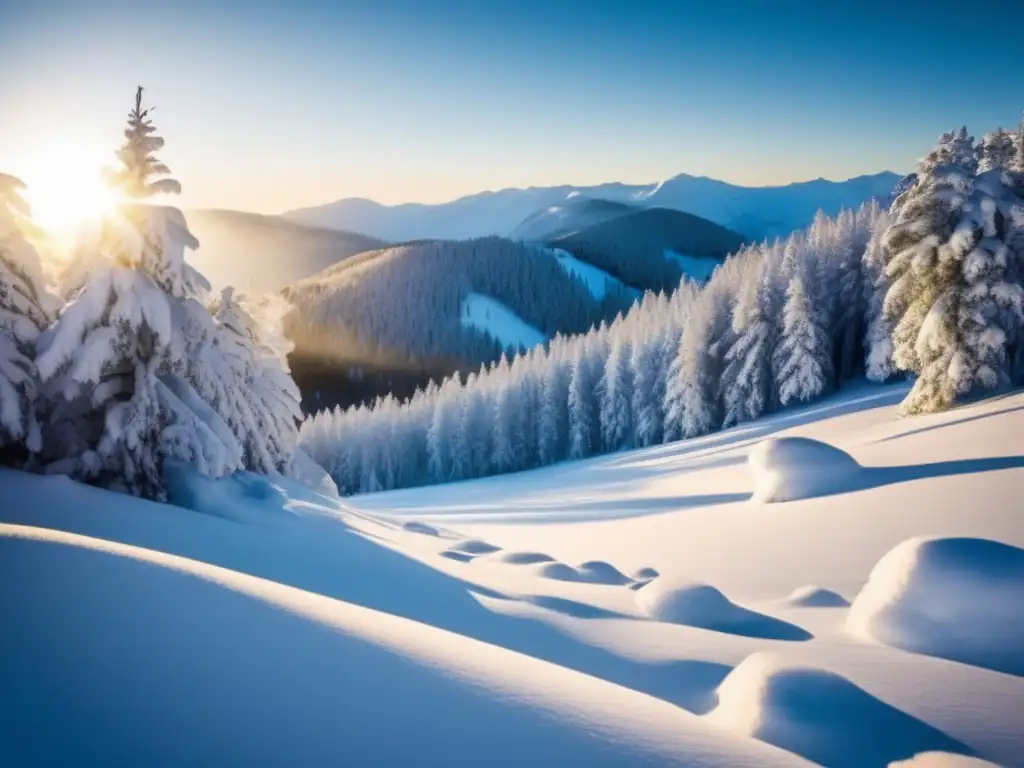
268	106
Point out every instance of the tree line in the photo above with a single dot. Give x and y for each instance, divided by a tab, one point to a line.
931	288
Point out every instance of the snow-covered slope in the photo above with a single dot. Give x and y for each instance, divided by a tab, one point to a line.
756	212
637	608
489	315
596	279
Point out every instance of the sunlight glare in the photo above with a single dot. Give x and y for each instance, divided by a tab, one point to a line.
65	188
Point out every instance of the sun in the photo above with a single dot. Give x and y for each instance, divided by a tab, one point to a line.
65	188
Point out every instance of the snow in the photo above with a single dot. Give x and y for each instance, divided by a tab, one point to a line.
957	598
594	278
697	268
629	609
789	468
807	710
489	315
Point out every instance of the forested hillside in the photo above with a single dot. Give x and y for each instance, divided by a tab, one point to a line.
408	302
933	288
638	246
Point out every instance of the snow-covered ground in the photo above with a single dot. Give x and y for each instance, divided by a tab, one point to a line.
638	608
489	315
594	278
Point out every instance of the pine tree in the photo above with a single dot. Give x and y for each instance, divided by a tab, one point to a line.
26	309
441	435
801	363
746	380
878	333
996	151
118	361
615	398
953	302
647	401
583	416
141	174
953	148
253	391
553	417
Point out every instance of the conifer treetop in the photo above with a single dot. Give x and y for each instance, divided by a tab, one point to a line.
141	174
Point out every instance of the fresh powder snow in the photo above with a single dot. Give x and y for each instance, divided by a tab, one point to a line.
637	608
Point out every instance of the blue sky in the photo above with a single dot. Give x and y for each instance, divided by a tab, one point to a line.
268	106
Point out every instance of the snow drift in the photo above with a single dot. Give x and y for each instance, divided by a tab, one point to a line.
808	710
791	468
955	598
700	605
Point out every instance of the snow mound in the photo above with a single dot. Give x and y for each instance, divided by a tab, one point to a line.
791	468
700	605
524	558
246	498
955	598
415	526
819	715
811	596
591	572
942	760
474	547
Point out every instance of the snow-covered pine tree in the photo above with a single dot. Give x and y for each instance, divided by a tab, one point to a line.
692	391
847	330
254	391
140	174
953	301
441	435
746	380
118	355
647	401
118	360
503	451
615	398
953	148
1018	163
801	362
878	333
996	151
26	309
583	415
553	414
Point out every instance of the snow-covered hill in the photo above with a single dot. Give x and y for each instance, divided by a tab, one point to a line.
637	608
755	212
260	254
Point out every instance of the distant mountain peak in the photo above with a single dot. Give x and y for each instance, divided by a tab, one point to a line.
756	212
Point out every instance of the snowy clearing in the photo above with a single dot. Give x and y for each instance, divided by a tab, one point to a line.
595	279
636	608
491	316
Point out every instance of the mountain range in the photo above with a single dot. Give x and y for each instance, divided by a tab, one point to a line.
754	212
